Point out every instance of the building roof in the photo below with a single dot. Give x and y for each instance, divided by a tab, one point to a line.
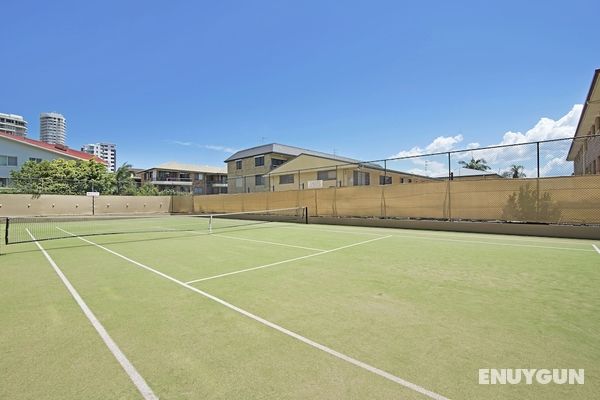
591	109
284	149
310	162
54	148
177	166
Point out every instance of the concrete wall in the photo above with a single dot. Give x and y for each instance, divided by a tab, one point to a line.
16	205
13	205
563	231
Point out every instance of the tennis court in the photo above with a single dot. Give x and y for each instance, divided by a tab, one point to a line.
164	307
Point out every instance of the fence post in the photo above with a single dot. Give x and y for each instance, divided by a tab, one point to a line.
384	172
93	201
449	186
538	158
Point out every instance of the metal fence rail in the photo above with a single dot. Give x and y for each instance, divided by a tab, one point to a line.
541	159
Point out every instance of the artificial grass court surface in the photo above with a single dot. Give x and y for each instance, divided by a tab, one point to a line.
431	308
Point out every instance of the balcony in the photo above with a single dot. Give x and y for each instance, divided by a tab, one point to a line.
172	182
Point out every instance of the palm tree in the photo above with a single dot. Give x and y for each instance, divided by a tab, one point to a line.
480	164
123	177
515	171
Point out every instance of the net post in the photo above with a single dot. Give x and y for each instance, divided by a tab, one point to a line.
210	221
306	215
7	220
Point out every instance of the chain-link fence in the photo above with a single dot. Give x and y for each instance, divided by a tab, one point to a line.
555	181
550	158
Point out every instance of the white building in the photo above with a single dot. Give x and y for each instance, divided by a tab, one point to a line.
104	151
13	124
17	150
53	128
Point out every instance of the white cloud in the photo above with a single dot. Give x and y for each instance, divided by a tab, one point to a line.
553	154
224	149
219	148
439	144
180	143
547	128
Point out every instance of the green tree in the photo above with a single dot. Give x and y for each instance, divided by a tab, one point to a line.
480	164
147	189
516	171
124	182
62	177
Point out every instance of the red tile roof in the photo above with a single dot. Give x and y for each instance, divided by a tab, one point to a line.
57	149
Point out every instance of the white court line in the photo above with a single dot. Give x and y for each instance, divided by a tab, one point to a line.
266	242
426	233
492	243
239	238
439	238
332	230
279	328
285	261
134	375
596	247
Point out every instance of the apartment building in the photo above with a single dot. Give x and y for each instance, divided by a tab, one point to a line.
308	171
17	150
275	166
585	148
105	151
186	178
13	124
53	128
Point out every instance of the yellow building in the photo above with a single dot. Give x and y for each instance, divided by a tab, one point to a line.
585	148
308	171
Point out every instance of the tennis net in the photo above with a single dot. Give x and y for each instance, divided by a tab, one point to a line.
29	229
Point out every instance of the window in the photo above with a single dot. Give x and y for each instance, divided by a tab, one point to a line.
238	164
326	175
199	177
259	161
361	178
275	162
259	180
385	180
198	190
8	161
3	182
37	160
284	179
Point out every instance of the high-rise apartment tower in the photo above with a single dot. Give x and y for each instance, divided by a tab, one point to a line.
105	151
53	128
13	124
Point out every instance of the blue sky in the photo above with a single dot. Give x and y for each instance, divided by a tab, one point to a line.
189	81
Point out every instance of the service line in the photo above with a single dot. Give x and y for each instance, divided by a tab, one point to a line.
287	261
